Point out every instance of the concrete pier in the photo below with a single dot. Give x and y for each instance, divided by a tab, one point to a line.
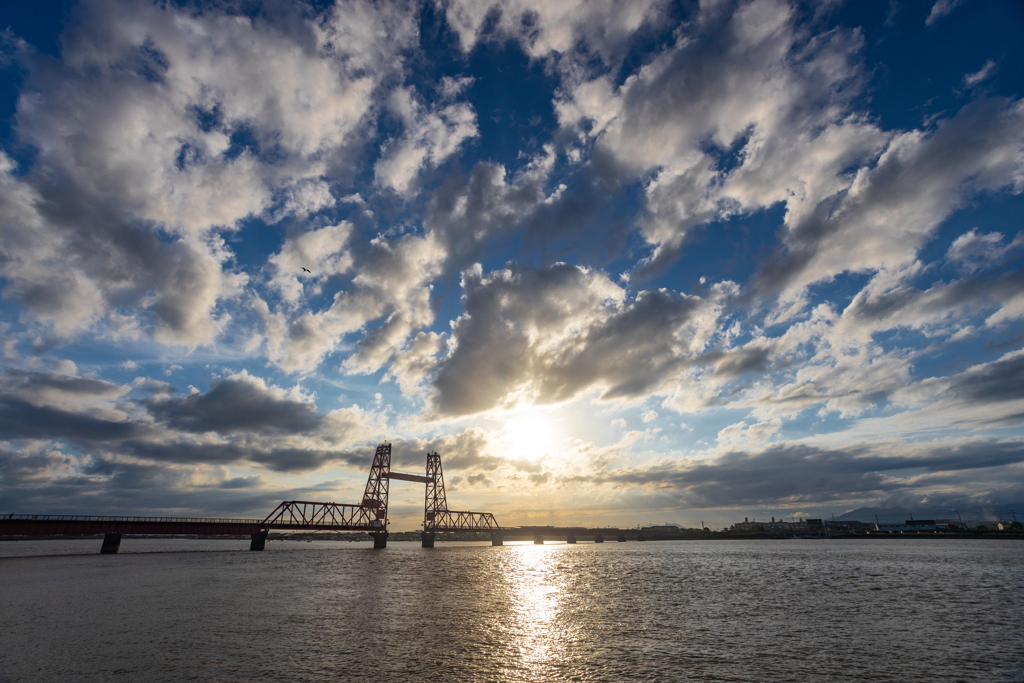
622	538
570	538
259	540
380	539
538	540
497	538
111	544
598	538
428	539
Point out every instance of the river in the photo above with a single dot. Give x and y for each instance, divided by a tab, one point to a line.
793	610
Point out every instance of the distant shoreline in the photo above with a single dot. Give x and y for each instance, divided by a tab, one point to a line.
557	539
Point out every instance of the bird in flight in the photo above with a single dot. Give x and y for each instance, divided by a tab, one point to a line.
306	269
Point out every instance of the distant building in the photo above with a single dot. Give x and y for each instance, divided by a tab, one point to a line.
909	525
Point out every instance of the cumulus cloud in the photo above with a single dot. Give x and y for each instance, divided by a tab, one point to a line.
738	84
891	209
549	334
543	28
430	137
972	252
392	280
159	128
321	252
237	403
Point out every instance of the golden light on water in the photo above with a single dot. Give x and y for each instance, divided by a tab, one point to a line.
537	596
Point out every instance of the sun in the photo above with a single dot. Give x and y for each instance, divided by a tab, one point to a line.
532	435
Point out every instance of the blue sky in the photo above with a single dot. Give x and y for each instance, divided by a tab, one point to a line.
618	262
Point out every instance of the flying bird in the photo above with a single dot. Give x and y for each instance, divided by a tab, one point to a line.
307	270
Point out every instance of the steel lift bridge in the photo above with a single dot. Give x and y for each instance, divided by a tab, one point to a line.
370	515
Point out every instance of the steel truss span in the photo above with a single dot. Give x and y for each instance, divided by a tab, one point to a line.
457	520
302	514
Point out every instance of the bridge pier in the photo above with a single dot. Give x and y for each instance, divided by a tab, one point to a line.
571	538
538	540
380	539
598	538
428	539
622	538
259	540
111	544
497	538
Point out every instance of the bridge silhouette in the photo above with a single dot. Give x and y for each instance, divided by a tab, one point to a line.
370	515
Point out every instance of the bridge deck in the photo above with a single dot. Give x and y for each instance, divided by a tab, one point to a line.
82	525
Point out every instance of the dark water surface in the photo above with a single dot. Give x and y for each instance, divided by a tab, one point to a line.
178	610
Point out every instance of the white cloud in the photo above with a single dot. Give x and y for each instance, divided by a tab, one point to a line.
971	80
940	9
320	251
742	435
430	137
543	28
972	252
152	134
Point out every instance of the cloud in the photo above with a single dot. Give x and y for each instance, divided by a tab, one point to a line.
746	436
787	474
237	403
971	80
321	251
391	280
972	252
890	210
542	28
745	110
940	9
430	137
161	128
546	335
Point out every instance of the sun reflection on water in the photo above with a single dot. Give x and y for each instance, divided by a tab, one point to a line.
537	592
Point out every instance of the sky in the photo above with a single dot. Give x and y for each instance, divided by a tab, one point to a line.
618	262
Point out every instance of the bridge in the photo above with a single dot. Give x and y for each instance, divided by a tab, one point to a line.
370	515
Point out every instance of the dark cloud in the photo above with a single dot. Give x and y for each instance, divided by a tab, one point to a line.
240	403
552	333
998	381
38	382
787	474
276	459
22	420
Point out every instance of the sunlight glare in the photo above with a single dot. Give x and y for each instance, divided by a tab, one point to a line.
532	435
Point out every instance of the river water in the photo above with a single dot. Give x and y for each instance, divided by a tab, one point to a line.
796	610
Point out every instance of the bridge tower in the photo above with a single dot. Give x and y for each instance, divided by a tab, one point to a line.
437	516
435	503
376	495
